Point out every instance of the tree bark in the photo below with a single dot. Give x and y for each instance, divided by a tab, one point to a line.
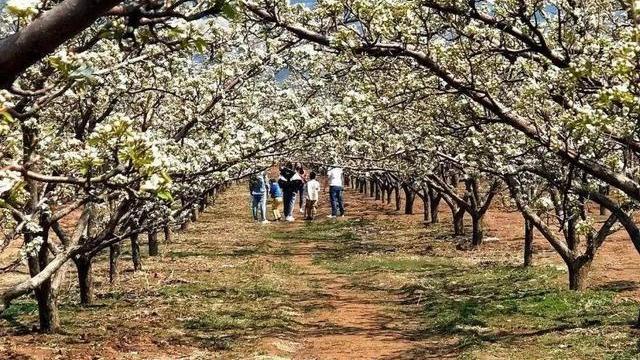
44	34
377	186
135	253
44	293
458	222
184	226
528	243
604	191
477	230
435	203
153	243
47	308
578	272
167	234
409	198
398	199
114	254
426	203
85	280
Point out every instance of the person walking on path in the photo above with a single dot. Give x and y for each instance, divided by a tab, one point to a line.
300	170
335	191
257	187
276	199
290	182
267	191
312	192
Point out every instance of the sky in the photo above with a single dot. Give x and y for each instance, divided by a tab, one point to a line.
307	3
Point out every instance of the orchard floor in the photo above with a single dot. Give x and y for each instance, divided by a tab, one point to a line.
373	285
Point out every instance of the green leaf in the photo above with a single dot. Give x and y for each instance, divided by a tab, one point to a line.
7	117
165	195
229	11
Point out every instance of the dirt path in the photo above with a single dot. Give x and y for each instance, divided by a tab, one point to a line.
351	322
373	285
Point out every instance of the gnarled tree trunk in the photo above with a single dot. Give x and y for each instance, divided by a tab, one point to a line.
409	198
85	279
135	253
528	243
114	254
458	222
153	243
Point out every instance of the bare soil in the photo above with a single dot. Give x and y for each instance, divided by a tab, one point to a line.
231	289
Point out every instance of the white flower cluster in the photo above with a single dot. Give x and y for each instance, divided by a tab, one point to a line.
31	248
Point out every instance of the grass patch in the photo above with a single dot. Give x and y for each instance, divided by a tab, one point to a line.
484	306
382	262
240	318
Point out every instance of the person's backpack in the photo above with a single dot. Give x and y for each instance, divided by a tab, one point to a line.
254	184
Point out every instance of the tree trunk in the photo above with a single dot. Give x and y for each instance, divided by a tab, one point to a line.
426	203
114	254
477	230
435	203
203	203
85	280
528	243
377	186
389	191
153	243
45	295
604	191
458	222
135	253
194	215
572	236
184	226
167	234
578	272
48	314
398	199
409	198
371	188
47	308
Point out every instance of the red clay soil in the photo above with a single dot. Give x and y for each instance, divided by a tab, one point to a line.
354	324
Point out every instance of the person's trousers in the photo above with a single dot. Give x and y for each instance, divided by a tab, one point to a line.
256	207
310	209
289	203
301	194
337	203
276	206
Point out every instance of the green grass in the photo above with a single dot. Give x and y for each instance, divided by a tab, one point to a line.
378	262
488	309
240	318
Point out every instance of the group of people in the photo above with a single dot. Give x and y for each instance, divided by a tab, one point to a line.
294	182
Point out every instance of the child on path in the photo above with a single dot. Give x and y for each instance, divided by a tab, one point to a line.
312	192
276	199
257	189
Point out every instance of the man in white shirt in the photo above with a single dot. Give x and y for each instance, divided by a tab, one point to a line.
311	194
335	191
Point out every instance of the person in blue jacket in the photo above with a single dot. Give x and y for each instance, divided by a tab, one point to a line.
276	199
257	187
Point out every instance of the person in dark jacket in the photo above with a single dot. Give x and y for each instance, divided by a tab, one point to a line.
300	171
290	182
